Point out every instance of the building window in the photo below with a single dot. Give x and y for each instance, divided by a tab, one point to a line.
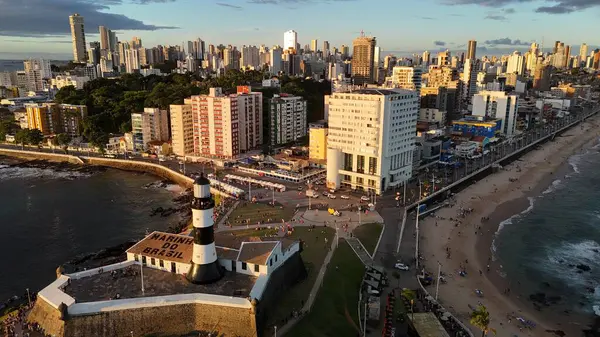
271	262
275	257
256	268
244	266
136	258
143	260
152	261
161	263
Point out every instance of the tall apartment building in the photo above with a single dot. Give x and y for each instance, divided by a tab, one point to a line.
275	59
52	118
104	38
583	52
326	49
444	58
499	105
37	71
516	64
147	126
363	56
290	39
408	78
225	125
314	45
287	119
371	138
317	141
182	128
469	81
472	50
78	38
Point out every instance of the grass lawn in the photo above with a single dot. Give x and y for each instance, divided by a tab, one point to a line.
334	312
251	213
368	234
313	254
252	232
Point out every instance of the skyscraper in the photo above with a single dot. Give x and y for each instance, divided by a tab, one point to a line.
363	56
290	39
375	154
78	38
275	59
326	50
313	46
471	51
426	58
583	52
104	38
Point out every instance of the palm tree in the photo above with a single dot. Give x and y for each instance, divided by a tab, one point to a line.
480	318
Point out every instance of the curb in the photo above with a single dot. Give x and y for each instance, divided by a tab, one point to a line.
378	241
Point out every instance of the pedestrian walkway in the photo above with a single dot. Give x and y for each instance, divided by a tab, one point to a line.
313	294
360	251
226	216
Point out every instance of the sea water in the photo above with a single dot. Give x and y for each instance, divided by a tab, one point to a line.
48	217
540	249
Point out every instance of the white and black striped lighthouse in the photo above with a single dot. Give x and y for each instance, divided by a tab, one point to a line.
205	268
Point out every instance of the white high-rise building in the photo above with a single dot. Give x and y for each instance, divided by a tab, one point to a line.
287	118
290	39
182	128
132	60
405	78
516	64
78	38
371	138
275	59
499	105
37	71
583	52
469	80
147	126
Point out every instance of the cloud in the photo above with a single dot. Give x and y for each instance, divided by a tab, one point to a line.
548	6
495	17
439	43
506	42
288	2
427	18
39	41
509	10
228	5
51	18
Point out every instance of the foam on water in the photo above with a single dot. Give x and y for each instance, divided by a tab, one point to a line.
555	185
175	188
565	256
7	172
509	221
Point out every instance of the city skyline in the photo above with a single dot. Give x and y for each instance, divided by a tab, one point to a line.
503	28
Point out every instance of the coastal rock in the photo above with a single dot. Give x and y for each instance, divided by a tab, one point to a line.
583	267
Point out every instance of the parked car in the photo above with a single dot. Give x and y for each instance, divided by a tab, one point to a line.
299	188
364	198
325	193
332	190
345	197
331	196
401	266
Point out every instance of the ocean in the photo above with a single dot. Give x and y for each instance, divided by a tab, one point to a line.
47	218
552	249
11	65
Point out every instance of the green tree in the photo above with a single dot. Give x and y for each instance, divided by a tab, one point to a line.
63	140
7	127
410	296
22	137
35	137
480	318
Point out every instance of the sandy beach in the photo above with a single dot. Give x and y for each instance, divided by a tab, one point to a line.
465	242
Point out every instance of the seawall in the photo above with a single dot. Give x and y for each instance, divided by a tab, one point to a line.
128	165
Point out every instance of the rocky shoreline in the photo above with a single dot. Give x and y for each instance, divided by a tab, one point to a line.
109	255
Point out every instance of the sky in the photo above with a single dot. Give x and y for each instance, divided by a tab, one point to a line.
40	28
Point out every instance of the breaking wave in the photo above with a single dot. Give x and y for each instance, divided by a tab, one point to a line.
8	172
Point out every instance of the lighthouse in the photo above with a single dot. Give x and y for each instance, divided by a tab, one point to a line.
204	268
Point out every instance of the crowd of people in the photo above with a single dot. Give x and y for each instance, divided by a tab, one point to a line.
16	325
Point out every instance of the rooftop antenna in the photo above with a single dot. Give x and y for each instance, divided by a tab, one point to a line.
362	33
